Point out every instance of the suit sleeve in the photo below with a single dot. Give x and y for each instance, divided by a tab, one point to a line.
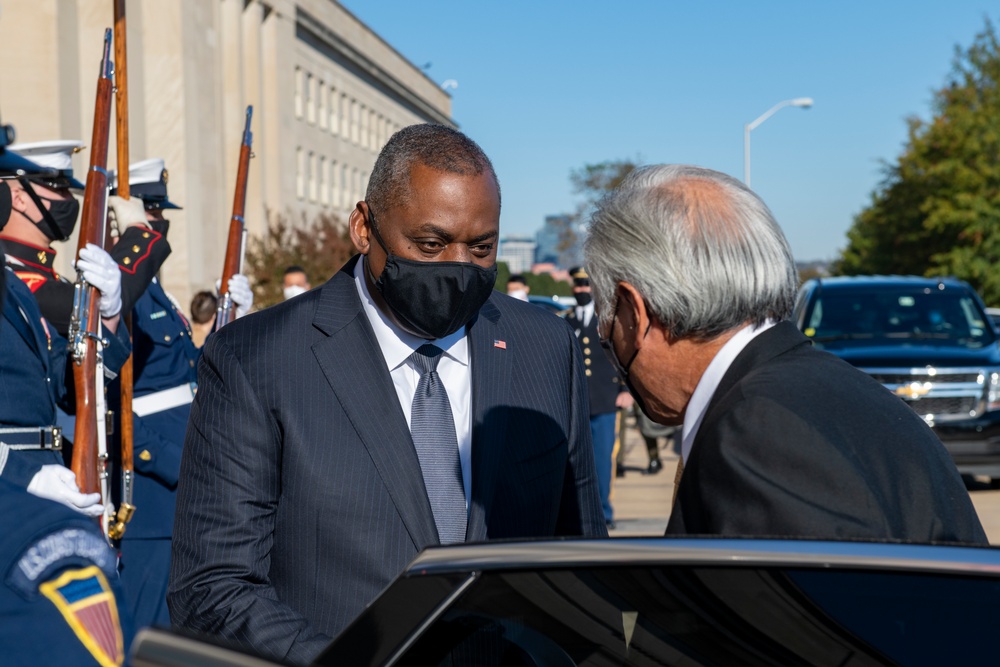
226	511
580	511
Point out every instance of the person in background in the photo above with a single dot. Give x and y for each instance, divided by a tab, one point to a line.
204	306
694	282
517	287
295	282
608	395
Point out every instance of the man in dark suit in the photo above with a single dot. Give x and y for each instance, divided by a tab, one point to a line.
693	280
401	405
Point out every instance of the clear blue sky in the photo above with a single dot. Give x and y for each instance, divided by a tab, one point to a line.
546	87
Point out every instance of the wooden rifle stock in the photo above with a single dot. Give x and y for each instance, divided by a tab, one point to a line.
126	427
237	230
85	322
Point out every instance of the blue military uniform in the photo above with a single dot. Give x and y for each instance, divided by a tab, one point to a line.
165	374
603	385
33	362
60	600
165	367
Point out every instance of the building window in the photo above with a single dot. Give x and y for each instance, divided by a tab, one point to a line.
373	130
345	188
334	184
312	176
356	185
345	131
364	126
354	121
298	92
334	113
310	98
321	104
324	181
300	167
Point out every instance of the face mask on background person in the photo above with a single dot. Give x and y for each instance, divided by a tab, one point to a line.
582	298
293	291
59	217
519	294
431	299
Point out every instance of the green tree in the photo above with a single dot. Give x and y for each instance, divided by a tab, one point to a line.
320	247
937	209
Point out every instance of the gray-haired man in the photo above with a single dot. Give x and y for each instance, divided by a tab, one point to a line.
693	280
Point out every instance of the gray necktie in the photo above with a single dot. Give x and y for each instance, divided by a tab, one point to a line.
432	427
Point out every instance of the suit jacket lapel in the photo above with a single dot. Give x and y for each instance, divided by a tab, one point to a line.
490	385
353	364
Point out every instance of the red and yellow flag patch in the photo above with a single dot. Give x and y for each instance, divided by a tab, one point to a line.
87	602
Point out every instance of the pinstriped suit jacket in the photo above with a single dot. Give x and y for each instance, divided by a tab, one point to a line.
300	493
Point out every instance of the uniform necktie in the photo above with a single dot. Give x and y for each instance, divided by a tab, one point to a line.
677	478
432	428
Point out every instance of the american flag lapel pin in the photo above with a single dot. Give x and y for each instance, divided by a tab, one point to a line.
500	344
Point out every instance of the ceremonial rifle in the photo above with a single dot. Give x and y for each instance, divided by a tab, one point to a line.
89	446
126	431
237	231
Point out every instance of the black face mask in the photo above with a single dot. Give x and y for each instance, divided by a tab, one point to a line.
431	299
623	371
59	218
582	298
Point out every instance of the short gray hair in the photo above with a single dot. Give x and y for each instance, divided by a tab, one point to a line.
703	250
436	146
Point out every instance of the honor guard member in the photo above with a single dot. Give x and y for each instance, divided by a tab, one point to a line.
33	361
44	211
165	372
60	599
607	392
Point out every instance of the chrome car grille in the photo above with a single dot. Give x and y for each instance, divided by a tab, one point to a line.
938	394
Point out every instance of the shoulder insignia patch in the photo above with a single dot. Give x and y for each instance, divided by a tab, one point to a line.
31	279
158	314
87	603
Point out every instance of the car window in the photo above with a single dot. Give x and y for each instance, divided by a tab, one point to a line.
712	616
948	316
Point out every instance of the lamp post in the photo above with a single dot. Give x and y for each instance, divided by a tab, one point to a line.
804	102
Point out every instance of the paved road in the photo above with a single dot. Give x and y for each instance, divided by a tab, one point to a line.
642	501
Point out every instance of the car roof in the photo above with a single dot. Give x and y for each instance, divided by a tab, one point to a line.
844	282
721	551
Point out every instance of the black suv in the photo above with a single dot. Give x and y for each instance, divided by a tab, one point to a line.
929	341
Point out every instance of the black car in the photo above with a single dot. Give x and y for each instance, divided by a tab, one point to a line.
663	601
929	341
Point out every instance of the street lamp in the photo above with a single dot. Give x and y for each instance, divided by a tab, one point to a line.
804	102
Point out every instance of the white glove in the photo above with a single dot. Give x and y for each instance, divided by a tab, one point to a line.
58	483
126	212
239	289
101	271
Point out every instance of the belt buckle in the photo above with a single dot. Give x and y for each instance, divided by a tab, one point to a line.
56	438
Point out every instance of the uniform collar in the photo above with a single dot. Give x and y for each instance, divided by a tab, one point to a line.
30	254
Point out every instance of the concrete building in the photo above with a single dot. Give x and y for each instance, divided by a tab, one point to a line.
518	252
327	93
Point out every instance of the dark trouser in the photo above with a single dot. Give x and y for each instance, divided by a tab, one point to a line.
144	572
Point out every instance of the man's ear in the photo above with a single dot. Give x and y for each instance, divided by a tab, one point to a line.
360	234
633	315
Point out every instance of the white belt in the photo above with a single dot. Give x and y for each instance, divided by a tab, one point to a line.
159	401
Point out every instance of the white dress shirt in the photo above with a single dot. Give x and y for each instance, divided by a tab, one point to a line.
710	380
454	369
585	313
